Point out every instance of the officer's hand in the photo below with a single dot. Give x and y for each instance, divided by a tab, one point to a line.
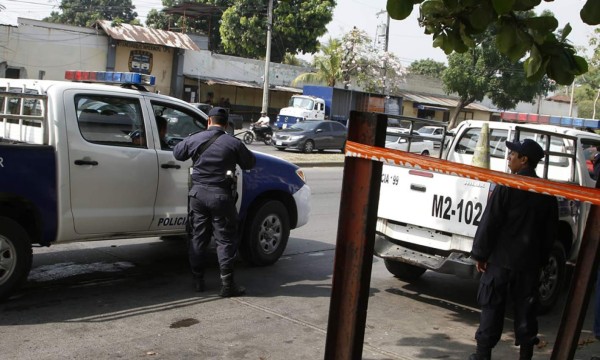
481	266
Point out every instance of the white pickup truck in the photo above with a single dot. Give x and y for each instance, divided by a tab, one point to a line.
427	220
81	161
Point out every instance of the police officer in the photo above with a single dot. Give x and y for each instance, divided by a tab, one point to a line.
512	243
212	203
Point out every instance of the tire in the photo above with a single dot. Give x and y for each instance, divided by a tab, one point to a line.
552	278
343	149
425	152
15	256
248	138
308	147
267	139
266	233
403	271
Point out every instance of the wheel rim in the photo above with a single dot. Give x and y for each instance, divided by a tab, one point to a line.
549	279
8	259
308	146
269	236
248	138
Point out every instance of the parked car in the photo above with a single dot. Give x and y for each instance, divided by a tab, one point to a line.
310	135
235	120
398	140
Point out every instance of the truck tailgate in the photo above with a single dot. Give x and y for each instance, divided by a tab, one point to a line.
437	201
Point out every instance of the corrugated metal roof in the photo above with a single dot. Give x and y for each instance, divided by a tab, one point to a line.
247	84
440	101
146	35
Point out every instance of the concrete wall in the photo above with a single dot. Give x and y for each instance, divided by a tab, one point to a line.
35	46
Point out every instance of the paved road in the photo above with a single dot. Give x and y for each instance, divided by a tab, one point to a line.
133	299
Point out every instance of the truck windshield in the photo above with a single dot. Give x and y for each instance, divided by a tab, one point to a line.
301	102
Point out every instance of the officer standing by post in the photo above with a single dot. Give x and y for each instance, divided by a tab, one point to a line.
212	201
512	243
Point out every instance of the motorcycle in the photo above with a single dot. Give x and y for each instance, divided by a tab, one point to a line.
263	134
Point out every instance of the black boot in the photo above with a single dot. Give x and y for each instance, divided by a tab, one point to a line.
481	354
526	352
199	282
229	287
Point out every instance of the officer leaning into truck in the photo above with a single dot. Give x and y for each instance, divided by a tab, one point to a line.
511	245
212	202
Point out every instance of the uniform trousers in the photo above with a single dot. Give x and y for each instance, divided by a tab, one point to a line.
496	285
212	212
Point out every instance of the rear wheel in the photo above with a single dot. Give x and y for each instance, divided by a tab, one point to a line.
308	147
552	278
248	138
425	152
266	233
15	256
404	271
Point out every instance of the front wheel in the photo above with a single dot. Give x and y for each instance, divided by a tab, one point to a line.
266	233
248	138
552	278
425	152
308	147
404	271
15	256
267	139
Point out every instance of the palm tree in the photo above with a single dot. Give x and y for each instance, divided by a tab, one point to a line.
328	66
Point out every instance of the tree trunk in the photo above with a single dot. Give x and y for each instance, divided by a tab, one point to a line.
462	103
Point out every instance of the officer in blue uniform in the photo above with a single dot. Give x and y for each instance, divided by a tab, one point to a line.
512	243
212	202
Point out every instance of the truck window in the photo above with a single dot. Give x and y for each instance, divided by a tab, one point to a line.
591	152
110	120
468	142
180	122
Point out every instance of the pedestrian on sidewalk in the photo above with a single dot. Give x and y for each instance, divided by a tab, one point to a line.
511	245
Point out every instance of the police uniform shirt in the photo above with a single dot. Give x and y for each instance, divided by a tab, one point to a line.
222	155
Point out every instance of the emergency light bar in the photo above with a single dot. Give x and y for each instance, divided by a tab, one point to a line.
110	77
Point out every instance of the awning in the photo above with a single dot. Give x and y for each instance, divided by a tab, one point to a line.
144	35
429	107
439	103
245	84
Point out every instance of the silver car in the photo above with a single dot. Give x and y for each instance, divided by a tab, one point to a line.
310	135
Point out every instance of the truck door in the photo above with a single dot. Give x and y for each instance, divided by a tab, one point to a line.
170	210
113	173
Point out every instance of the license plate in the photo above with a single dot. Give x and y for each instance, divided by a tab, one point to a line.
279	143
284	126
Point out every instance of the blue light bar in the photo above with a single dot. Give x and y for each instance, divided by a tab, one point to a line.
110	77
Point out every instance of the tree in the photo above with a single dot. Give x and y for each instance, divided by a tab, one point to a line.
297	25
207	24
587	90
428	67
86	12
454	26
482	71
355	59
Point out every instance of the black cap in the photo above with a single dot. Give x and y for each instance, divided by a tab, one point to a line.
218	111
527	147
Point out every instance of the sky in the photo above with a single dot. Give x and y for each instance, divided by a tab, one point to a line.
406	38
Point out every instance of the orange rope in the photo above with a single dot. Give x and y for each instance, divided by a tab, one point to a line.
406	159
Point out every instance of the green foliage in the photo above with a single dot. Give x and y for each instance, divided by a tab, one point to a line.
585	109
86	12
428	67
297	25
455	25
484	71
328	65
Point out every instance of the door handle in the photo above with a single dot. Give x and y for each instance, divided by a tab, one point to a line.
86	162
170	166
420	188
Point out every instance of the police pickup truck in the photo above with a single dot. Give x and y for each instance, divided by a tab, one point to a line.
427	220
83	161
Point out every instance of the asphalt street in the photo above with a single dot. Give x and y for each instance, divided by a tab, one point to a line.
133	298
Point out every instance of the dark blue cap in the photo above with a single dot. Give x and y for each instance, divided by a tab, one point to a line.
527	147
218	111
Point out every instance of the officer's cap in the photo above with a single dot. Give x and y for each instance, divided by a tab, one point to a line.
218	111
527	147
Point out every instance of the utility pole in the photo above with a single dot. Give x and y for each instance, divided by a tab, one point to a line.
385	48
265	102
